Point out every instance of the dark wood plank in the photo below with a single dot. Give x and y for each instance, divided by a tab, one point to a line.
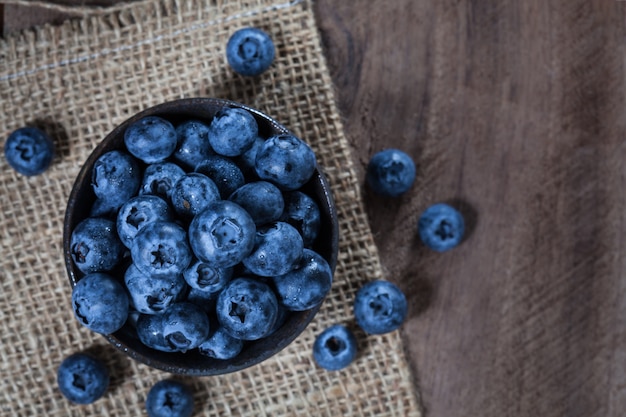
515	112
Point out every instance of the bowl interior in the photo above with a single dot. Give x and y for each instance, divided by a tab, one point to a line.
193	363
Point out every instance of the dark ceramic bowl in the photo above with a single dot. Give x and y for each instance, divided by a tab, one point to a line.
193	363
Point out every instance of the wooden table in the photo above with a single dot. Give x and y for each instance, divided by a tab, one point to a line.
516	113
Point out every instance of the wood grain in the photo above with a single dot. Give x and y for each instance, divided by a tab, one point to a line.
514	112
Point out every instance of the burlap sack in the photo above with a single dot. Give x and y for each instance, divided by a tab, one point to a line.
78	81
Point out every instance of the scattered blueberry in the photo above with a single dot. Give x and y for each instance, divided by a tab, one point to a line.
224	173
207	278
250	51
222	235
261	199
390	172
149	329
305	286
82	378
158	179
153	294
192	193
193	144
303	213
116	177
161	249
286	161
95	245
335	348
277	248
100	303
441	227
169	398
185	326
379	307
139	211
247	309
29	151
232	131
151	139
221	345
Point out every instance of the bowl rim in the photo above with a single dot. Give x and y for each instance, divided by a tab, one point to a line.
176	109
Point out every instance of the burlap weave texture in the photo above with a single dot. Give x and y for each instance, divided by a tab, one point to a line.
78	81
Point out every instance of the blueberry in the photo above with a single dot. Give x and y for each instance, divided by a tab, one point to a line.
116	177
185	326
151	139
82	378
441	227
335	348
169	398
153	294
95	245
193	144
250	51
150	332
192	193
277	248
158	179
261	199
303	213
100	303
224	172
161	249
137	212
205	300
379	307
232	131
390	173
222	235
247	309
221	345
29	151
285	161
207	278
305	286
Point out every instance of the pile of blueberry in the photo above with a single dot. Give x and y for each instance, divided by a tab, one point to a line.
212	230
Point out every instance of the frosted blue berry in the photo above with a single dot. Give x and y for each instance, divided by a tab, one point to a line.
379	307
303	213
193	144
277	248
247	309
192	193
441	227
161	249
151	139
82	379
185	326
29	151
305	286
100	303
390	173
335	348
115	178
169	398
206	277
232	131
286	161
221	345
224	172
263	201
95	245
153	294
139	211
222	235
250	51
158	179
